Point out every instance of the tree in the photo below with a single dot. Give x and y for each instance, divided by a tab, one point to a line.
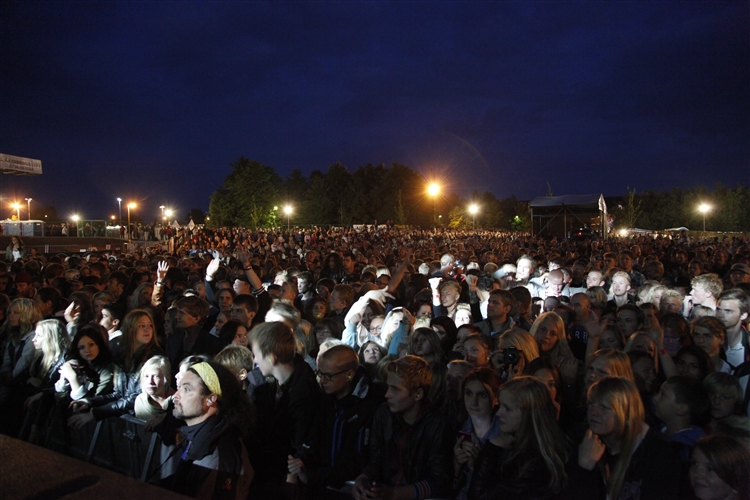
632	209
246	195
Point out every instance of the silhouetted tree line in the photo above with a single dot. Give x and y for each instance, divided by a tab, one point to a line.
253	195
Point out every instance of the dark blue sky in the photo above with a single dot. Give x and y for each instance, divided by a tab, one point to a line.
152	101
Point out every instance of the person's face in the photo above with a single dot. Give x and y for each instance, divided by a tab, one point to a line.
323	291
88	349
98	305
225	300
265	364
288	291
728	312
722	405
644	343
706	340
114	287
581	305
694	269
620	286
523	270
37	339
240	287
665	402
23	289
332	380
626	262
367	317
556	284
496	308
706	483
454	377
478	399
597	370
183	319
318	310
144	331
322	333
303	285
594	278
476	354
421	346
4	285
147	291
425	311
737	277
376	326
463	317
672	342
240	336
699	294
688	366
449	296
14	315
546	336
336	302
610	262
153	381
670	305
241	314
547	378
400	399
221	320
189	400
628	322
609	340
602	420
372	354
509	413
645	368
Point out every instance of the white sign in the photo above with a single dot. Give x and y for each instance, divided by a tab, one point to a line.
19	166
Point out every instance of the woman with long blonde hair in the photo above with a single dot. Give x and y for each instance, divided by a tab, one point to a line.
549	332
23	316
620	454
527	459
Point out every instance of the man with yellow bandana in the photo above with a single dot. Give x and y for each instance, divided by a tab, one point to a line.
213	459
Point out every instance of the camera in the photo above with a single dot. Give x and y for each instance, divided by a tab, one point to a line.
511	355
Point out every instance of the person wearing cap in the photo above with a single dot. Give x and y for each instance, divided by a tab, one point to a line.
213	459
24	288
740	273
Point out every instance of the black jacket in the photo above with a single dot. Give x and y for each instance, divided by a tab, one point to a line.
339	443
213	462
205	343
419	454
284	422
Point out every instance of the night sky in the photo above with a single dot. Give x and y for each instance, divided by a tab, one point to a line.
152	101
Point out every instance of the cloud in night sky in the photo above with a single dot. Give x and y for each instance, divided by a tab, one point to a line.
153	100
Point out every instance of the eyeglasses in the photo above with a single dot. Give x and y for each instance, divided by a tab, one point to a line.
327	377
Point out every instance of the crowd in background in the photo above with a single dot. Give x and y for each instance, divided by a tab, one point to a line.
396	363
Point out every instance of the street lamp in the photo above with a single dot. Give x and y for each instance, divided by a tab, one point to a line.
473	209
28	200
288	211
119	204
162	211
169	213
703	208
130	205
433	189
17	207
76	219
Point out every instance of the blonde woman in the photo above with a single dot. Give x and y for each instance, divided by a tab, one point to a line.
620	454
549	332
23	316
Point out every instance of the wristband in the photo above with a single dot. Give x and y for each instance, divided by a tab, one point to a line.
160	283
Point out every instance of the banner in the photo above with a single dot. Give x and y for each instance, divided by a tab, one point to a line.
19	166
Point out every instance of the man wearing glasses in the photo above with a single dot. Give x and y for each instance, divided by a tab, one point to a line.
339	443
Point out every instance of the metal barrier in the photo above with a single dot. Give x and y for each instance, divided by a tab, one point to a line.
118	444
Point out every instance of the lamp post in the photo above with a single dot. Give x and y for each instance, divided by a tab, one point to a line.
76	219
28	200
162	211
433	190
473	209
17	207
288	212
119	204
130	236
703	208
167	213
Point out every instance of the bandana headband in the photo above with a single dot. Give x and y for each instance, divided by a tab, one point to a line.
209	377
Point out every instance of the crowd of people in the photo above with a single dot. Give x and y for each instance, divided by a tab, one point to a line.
387	363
